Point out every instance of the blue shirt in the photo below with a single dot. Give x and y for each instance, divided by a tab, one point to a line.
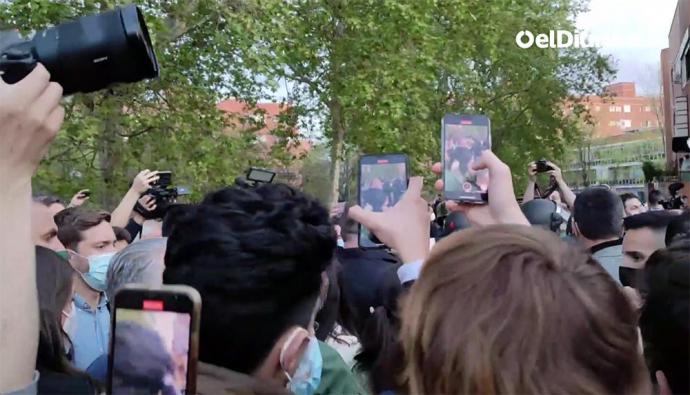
89	331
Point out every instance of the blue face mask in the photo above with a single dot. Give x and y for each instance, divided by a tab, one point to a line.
307	377
98	270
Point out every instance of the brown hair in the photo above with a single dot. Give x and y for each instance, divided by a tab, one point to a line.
513	309
122	234
71	223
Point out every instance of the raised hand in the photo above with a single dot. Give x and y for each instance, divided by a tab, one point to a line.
502	207
79	198
142	182
404	227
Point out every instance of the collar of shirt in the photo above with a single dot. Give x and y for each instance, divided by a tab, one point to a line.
81	304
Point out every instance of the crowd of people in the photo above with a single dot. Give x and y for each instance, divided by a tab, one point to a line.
567	292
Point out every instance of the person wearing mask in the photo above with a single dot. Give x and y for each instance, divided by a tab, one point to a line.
43	228
279	241
665	319
91	239
30	118
632	204
598	226
55	279
508	309
644	234
655	198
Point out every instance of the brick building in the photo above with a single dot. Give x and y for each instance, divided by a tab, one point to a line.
675	75
622	111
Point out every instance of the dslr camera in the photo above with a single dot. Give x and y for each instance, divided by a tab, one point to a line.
164	194
86	54
543	166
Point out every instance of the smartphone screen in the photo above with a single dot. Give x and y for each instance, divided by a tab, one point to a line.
153	347
382	182
464	137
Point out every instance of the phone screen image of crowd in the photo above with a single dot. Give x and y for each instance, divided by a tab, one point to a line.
381	187
150	354
463	146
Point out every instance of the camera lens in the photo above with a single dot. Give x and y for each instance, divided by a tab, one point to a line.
95	51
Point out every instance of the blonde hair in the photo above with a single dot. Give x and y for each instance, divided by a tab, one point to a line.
513	309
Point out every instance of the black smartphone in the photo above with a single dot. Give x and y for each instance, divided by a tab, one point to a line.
463	138
382	182
154	340
164	179
85	193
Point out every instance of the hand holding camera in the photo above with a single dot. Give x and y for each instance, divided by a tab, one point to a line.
142	182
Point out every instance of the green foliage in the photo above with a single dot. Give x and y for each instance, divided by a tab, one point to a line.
168	124
368	76
651	171
379	75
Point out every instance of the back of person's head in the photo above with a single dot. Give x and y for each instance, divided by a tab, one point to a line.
678	228
543	213
139	263
598	214
512	309
665	320
349	229
173	212
655	197
655	220
121	234
256	256
72	223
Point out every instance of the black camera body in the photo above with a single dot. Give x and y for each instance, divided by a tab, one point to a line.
543	166
164	195
86	54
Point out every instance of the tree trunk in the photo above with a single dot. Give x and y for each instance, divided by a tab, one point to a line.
336	149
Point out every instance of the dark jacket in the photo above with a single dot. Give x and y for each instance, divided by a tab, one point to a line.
215	380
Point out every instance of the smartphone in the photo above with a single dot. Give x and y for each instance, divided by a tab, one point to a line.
85	193
382	182
164	178
463	138
154	340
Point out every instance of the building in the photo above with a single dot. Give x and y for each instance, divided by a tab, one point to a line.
264	120
675	75
270	122
622	111
616	161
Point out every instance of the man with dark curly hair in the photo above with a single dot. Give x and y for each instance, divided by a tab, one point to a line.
257	255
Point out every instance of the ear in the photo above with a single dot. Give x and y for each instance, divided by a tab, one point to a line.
284	356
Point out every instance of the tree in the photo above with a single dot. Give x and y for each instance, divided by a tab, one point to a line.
170	123
379	75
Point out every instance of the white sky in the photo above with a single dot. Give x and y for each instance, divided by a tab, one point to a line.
633	32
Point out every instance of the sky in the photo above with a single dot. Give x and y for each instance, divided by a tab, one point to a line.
633	32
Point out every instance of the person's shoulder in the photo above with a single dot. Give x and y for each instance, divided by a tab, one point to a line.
336	376
51	383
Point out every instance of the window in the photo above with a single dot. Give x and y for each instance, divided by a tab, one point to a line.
597	108
647	109
625	123
626	108
612	108
613	123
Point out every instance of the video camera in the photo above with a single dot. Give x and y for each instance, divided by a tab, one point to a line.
86	54
164	194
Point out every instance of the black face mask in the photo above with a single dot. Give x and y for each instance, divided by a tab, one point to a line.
633	278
